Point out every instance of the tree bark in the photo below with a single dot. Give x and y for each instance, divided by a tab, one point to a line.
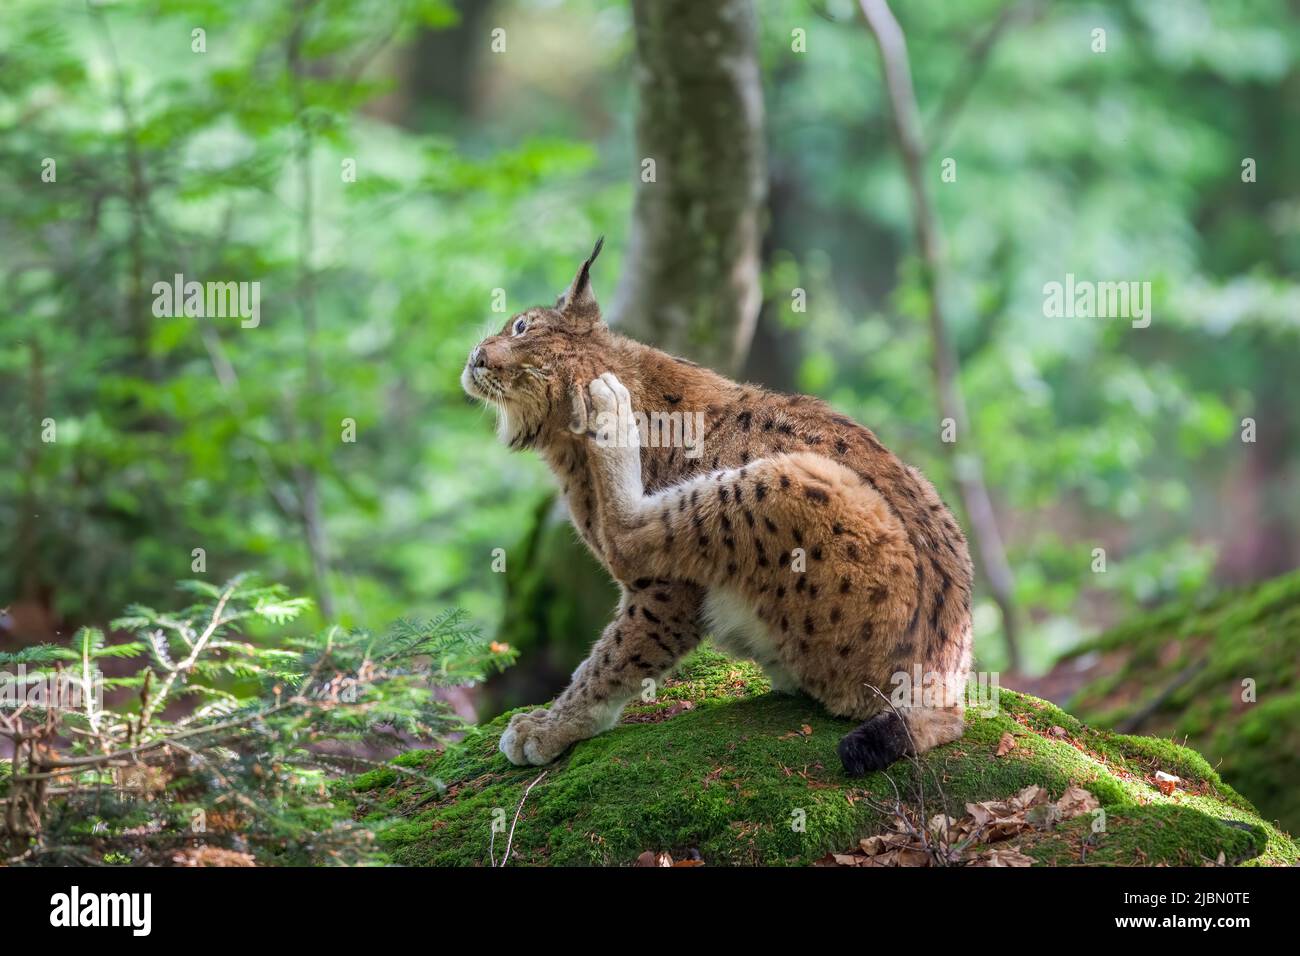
690	282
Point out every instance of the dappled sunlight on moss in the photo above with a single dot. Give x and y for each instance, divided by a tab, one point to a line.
735	774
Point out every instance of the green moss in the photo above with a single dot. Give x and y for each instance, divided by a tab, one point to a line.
1180	670
749	777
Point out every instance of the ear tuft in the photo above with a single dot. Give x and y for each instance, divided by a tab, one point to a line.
579	299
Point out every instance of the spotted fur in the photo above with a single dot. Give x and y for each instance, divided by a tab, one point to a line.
783	483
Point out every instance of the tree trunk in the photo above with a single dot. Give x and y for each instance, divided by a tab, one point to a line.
690	281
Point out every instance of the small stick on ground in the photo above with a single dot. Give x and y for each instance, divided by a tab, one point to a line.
511	837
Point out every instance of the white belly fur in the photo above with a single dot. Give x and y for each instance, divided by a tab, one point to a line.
738	631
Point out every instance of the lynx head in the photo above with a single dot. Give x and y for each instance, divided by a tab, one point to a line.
535	370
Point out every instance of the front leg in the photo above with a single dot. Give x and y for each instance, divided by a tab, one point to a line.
657	623
616	454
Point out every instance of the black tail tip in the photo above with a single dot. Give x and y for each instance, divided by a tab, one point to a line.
874	745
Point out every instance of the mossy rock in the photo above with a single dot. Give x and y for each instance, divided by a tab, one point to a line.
1179	671
719	765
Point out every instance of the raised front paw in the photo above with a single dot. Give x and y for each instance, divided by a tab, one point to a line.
537	738
615	424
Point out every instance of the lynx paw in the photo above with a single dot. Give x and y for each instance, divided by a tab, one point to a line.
617	438
536	737
612	403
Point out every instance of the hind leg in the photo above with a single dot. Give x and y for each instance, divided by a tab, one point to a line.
758	528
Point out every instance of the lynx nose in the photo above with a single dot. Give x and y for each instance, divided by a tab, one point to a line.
478	358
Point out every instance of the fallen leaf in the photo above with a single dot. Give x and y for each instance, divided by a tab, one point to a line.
1075	802
1005	744
872	846
1003	856
1167	783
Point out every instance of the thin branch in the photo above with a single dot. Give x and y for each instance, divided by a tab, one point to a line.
967	468
959	90
505	857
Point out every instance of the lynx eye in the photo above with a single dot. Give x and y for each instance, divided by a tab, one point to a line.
520	325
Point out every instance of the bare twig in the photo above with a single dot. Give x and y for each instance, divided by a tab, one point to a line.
510	839
967	468
958	92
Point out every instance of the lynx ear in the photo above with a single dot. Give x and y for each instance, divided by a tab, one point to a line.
579	301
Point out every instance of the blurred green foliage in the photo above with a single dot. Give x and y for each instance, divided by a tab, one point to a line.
229	165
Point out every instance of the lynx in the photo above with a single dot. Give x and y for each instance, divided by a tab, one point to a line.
792	536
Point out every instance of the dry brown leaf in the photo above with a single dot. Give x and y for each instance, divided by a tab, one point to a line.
1076	801
911	856
1005	745
1031	796
1003	856
872	846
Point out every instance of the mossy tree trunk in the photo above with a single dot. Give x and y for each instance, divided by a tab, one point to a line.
691	280
690	284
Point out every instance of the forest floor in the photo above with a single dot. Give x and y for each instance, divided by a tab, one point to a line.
718	770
